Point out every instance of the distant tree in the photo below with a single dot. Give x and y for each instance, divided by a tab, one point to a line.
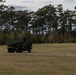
2	0
3	15
45	20
22	21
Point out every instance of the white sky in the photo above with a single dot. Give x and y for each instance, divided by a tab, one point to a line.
36	4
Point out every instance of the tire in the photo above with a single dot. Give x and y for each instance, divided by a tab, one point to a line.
29	50
11	50
18	51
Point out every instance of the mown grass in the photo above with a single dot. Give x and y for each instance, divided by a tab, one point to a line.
45	59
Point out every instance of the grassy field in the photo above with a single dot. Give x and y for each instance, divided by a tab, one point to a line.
45	59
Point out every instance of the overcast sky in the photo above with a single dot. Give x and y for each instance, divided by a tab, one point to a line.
36	4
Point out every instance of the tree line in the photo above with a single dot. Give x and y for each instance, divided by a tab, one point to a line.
47	24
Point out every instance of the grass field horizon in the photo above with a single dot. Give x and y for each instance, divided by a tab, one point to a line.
45	59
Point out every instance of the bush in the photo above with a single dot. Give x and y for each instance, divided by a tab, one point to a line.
2	38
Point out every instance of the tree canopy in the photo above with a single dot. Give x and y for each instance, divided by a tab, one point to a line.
47	24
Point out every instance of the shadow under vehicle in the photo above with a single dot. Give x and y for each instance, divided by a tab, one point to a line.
19	45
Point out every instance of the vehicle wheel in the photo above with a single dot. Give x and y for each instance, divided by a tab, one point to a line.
29	50
18	51
11	51
21	51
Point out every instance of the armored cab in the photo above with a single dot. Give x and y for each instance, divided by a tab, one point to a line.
19	45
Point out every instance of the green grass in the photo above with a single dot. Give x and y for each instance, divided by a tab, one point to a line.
45	59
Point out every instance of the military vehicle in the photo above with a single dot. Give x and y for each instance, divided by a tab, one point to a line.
19	45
